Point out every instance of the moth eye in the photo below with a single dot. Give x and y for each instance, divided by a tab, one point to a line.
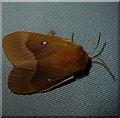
44	43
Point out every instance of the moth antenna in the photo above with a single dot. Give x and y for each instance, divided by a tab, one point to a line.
105	66
96	44
101	61
99	52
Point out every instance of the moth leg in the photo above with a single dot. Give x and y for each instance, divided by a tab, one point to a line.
51	32
72	37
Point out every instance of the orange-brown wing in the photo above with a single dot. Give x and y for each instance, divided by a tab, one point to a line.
27	46
22	46
27	80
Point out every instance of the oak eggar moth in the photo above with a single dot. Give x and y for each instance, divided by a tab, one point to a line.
43	62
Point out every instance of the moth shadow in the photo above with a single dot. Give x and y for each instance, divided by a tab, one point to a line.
86	71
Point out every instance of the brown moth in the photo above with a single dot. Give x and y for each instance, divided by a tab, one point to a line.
43	62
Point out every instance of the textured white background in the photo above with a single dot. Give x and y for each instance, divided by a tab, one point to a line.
96	94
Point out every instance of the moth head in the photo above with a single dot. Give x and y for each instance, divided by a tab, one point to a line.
96	58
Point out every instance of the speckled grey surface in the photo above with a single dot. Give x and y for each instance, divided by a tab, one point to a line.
94	95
